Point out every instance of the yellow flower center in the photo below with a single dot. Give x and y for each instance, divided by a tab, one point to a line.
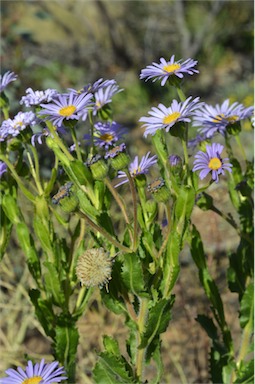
106	137
67	111
218	118
171	67
232	119
215	163
136	171
172	117
33	380
18	125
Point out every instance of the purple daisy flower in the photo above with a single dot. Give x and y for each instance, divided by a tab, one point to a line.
214	120
211	161
14	126
7	78
164	69
104	96
3	168
39	373
136	168
92	88
38	97
165	117
196	141
107	134
66	107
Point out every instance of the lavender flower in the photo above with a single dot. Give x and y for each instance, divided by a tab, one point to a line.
136	168
14	126
164	118
3	168
7	78
66	107
38	97
214	120
44	133
196	141
107	134
164	69
39	373
104	96
211	161
92	88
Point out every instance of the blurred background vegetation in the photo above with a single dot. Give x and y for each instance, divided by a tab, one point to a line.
67	43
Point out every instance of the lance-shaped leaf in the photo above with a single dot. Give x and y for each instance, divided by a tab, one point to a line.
183	208
157	322
66	344
27	244
11	208
132	273
43	234
80	172
171	266
247	307
86	205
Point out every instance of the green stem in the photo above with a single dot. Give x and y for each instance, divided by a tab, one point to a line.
133	193
238	141
82	300
142	198
92	147
104	233
141	322
163	246
58	141
181	94
34	174
120	203
25	191
77	147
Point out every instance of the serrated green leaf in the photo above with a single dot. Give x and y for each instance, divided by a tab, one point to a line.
11	209
158	319
171	266
132	273
43	234
247	306
86	205
80	171
111	345
208	325
53	284
111	369
157	357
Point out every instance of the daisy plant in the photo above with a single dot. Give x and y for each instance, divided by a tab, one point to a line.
101	222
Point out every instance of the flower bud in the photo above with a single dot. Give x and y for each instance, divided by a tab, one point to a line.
159	190
98	167
119	157
94	267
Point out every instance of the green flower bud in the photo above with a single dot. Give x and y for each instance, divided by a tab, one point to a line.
66	197
159	190
98	167
118	157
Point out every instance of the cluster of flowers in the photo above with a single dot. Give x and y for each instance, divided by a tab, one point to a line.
75	105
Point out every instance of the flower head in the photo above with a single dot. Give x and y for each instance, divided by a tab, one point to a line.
7	78
165	117
164	69
38	97
66	107
14	126
211	161
104	96
94	267
136	168
107	134
35	374
92	88
216	119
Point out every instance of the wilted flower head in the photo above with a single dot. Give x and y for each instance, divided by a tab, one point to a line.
94	267
211	161
13	127
38	97
165	117
7	78
165	69
66	107
136	168
216	119
35	374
